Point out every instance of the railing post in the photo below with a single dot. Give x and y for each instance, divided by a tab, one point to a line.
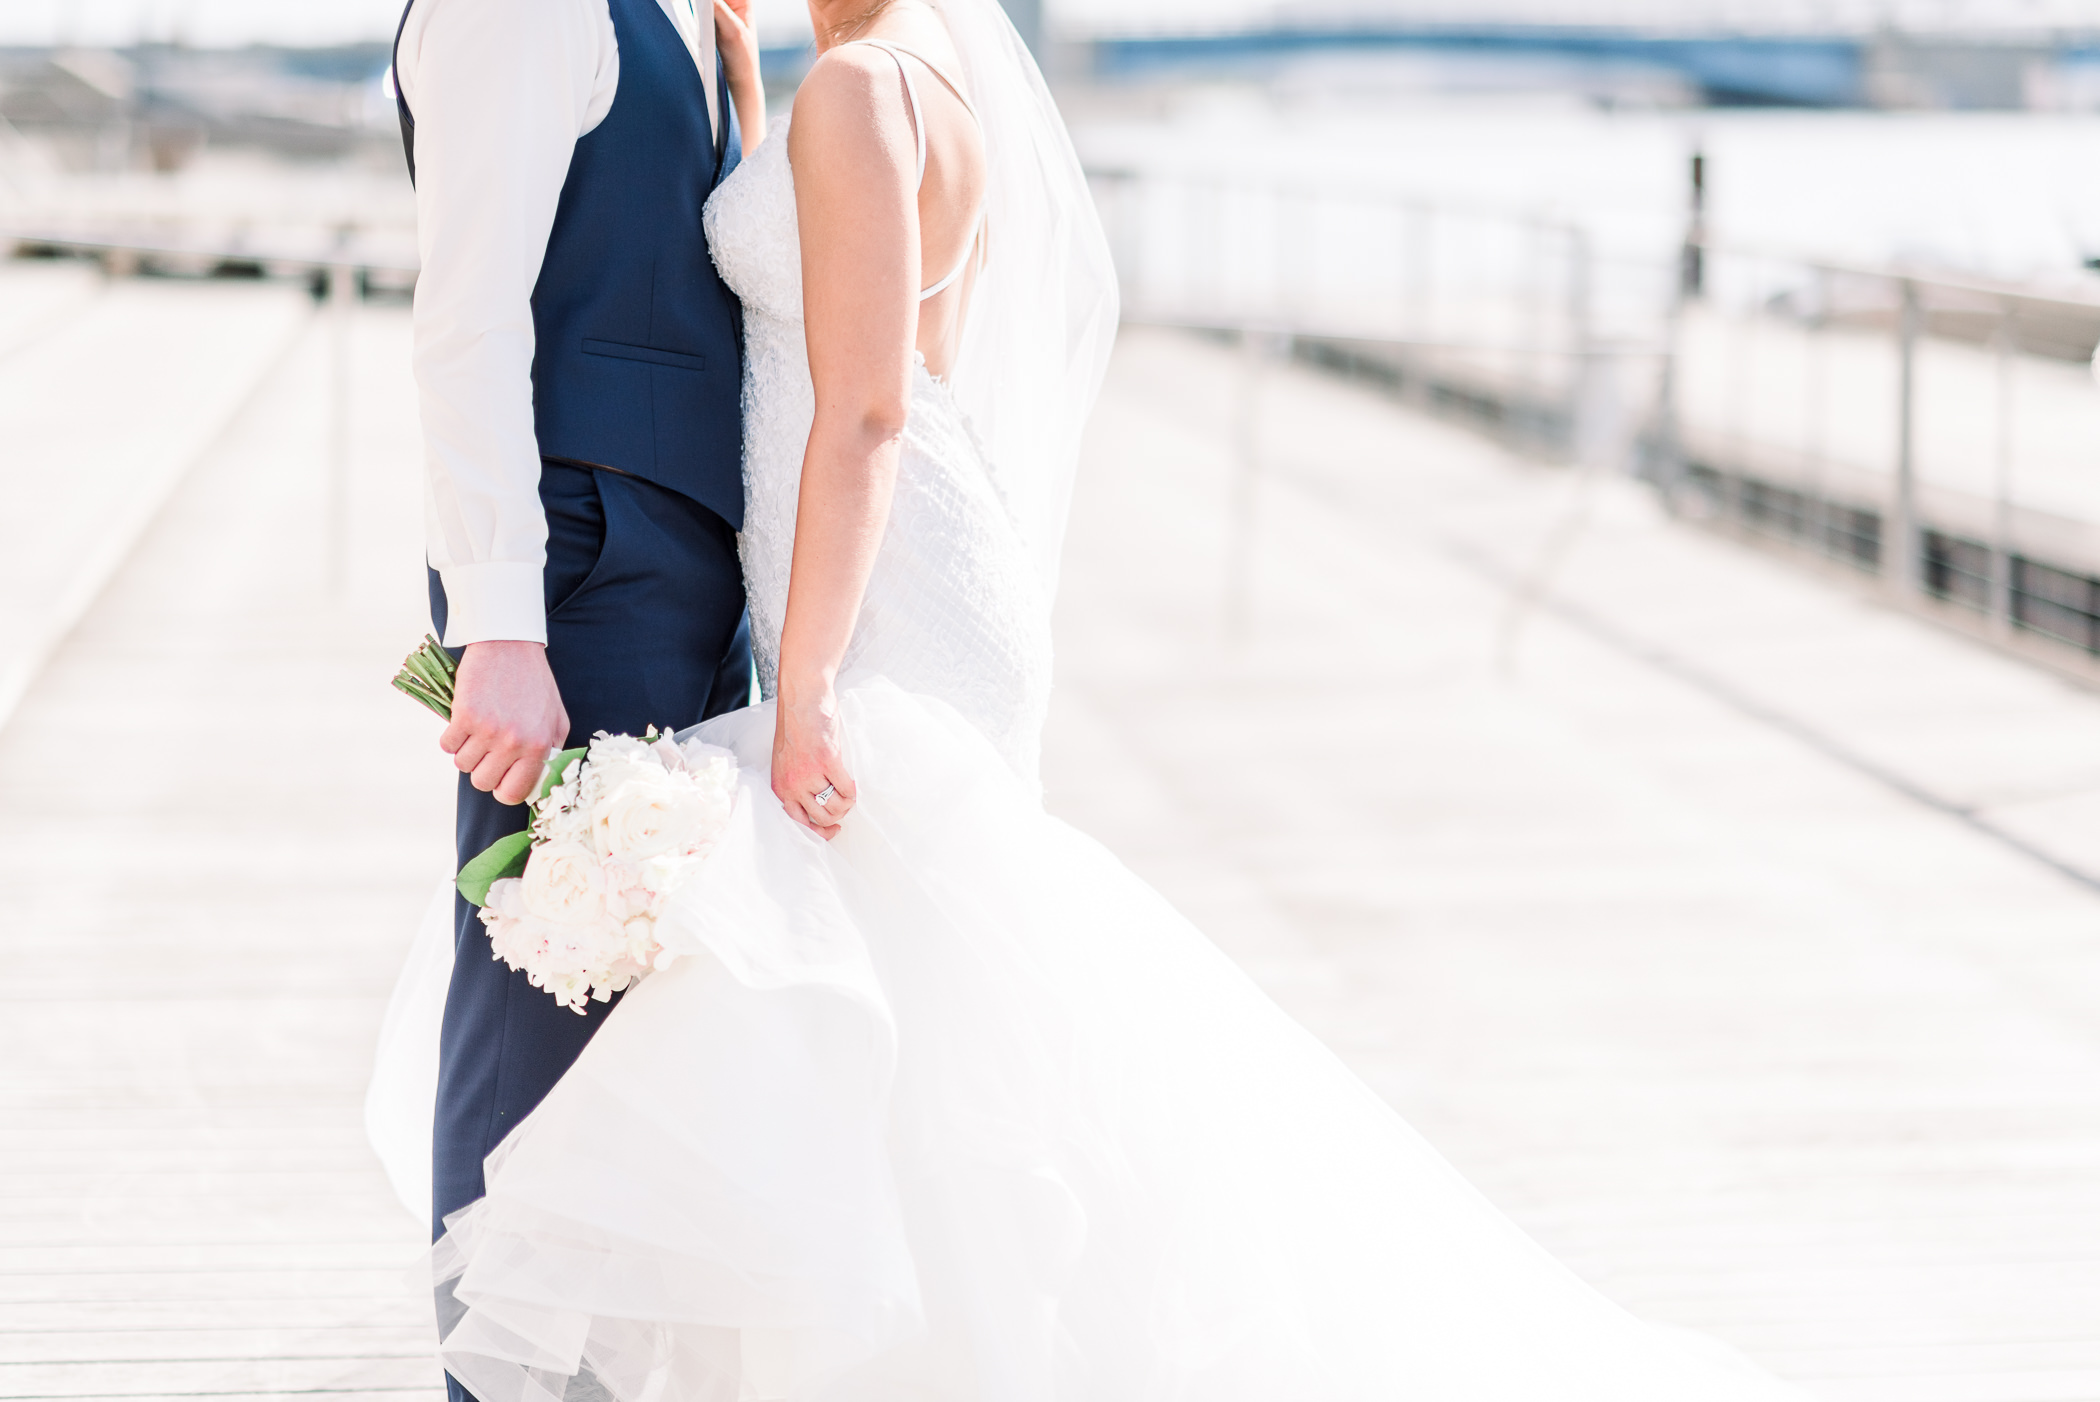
1593	407
2002	607
1534	333
1902	550
1417	316
1119	192
1258	347
342	295
1665	457
1815	417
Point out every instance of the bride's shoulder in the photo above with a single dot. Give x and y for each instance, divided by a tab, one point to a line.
849	81
851	106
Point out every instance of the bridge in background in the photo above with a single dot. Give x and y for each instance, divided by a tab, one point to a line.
1872	69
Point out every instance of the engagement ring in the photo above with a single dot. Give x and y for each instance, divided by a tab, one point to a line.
823	795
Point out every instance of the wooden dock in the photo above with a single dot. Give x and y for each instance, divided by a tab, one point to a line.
1703	913
216	826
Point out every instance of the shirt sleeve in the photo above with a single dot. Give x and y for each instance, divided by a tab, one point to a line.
500	90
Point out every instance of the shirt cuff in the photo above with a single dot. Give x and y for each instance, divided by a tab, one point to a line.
499	601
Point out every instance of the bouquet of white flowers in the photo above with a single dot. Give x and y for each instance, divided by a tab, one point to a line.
616	827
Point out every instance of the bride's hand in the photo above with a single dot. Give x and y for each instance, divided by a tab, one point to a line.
736	39
808	757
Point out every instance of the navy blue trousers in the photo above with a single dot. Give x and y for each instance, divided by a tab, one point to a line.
645	626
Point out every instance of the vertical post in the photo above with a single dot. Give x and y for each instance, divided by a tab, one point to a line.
1815	417
1592	389
1534	335
1206	284
1286	284
1691	276
1900	547
1257	348
342	294
1420	250
2003	607
1665	456
1417	274
1120	195
1742	332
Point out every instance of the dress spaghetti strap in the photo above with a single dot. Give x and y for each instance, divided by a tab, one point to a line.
918	122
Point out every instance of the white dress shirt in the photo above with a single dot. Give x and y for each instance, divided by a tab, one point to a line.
500	91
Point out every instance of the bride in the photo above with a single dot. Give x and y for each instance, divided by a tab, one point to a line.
944	1103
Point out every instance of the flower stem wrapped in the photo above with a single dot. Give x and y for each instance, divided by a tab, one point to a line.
429	676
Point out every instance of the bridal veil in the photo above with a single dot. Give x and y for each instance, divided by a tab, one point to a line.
1043	313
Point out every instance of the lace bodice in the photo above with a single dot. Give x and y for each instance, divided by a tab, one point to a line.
953	608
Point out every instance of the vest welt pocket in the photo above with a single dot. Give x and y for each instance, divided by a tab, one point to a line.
620	350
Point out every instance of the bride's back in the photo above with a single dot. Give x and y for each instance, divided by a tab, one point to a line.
903	75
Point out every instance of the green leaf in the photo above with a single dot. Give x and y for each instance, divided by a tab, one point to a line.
557	769
504	857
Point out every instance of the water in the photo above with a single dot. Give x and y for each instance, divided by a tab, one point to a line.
2007	195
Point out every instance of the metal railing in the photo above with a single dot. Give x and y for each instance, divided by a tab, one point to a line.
1512	316
1933	430
1936	431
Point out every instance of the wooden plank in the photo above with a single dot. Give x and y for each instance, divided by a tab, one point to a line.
409	1393
86	1223
257	1311
207	1342
221	1376
101	1258
93	1291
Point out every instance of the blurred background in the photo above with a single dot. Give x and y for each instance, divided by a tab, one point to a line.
1586	582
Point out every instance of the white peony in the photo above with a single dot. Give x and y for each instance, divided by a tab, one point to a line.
621	831
648	816
660	875
563	884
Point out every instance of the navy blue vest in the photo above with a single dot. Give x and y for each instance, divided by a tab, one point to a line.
638	363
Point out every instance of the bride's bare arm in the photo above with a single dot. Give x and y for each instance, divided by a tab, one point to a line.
854	158
737	41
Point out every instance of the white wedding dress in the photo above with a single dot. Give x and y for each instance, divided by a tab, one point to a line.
956	1109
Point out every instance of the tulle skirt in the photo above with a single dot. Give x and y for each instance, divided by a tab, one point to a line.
955	1107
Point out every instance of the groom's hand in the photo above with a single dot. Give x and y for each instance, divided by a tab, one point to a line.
506	715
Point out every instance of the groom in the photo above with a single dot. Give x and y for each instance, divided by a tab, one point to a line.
578	364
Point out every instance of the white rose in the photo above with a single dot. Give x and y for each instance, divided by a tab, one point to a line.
506	899
617	773
641	941
563	825
562	883
647	817
662	873
606	749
